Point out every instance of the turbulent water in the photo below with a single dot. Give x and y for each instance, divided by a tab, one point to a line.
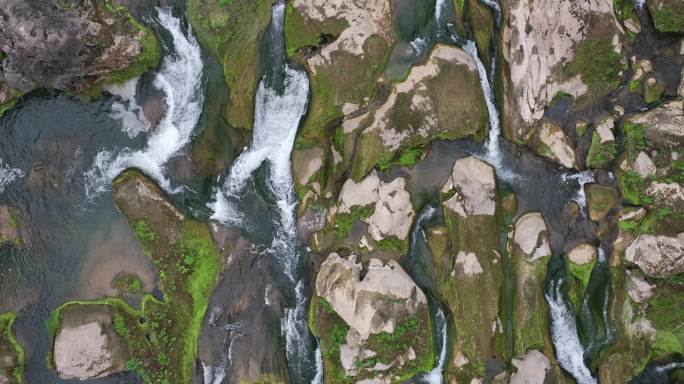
180	78
582	178
8	175
133	120
276	119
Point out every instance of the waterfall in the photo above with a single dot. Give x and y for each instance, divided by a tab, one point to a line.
8	175
133	120
436	375
439	6
276	119
582	178
639	4
180	78
569	351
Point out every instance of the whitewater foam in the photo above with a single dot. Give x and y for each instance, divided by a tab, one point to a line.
435	376
582	178
180	78
569	351
8	175
133	120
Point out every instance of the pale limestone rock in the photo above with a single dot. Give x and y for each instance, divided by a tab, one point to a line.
538	38
362	193
666	195
605	130
531	236
393	213
643	165
306	163
632	214
557	141
368	305
638	288
657	256
664	125
82	352
475	184
467	262
633	26
531	369
582	254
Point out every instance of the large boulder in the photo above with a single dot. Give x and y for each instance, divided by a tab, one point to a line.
373	322
421	108
552	47
663	125
657	256
72	45
86	345
600	200
531	236
531	369
472	273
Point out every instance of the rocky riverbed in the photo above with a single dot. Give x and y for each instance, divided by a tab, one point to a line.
309	191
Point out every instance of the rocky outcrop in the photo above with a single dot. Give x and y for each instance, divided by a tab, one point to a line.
663	125
422	108
372	326
668	15
531	369
529	250
305	164
9	231
657	256
86	345
472	188
72	45
472	269
553	143
541	41
638	288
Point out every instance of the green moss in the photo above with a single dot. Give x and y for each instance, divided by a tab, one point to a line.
560	95
302	32
652	93
231	32
581	272
624	9
11	102
632	187
10	349
597	64
635	139
392	244
669	18
128	282
600	154
344	221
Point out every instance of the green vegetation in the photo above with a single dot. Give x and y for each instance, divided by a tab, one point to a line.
301	32
393	244
636	139
634	85
669	18
600	154
406	158
581	272
653	92
10	350
14	96
127	283
633	186
598	65
163	335
344	221
230	30
560	95
624	9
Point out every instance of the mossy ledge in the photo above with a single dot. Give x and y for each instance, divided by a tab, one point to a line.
162	336
12	365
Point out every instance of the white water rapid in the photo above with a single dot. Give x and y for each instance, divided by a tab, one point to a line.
582	178
133	120
436	375
569	351
276	119
180	78
8	175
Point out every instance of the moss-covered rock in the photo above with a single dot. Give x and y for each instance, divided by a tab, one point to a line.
603	148
422	108
231	31
668	15
371	327
11	353
473	283
600	200
161	336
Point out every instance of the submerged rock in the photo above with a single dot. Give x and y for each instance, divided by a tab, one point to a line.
86	345
600	200
657	256
9	231
11	353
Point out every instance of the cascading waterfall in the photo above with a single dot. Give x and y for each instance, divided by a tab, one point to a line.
436	375
8	175
582	178
276	119
180	78
569	351
639	4
133	120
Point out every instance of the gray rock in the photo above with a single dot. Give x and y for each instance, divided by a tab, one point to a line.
474	185
657	256
532	368
531	236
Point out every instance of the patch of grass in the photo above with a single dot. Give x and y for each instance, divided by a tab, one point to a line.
624	9
12	351
581	272
344	221
635	139
632	187
127	282
145	236
600	154
669	18
392	243
406	158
